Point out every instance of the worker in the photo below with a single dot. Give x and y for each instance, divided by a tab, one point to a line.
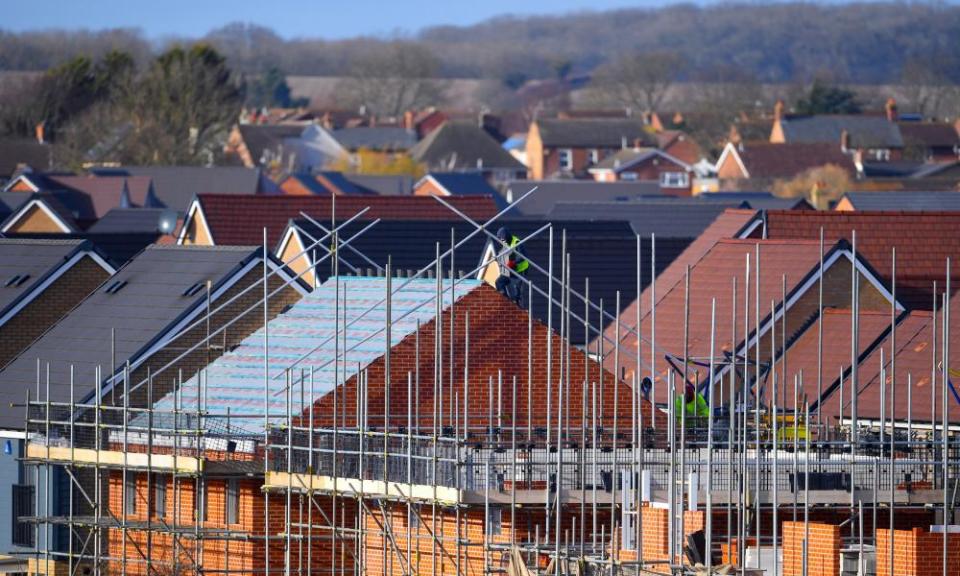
693	403
513	266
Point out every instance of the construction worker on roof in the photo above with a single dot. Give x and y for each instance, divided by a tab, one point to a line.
513	266
691	402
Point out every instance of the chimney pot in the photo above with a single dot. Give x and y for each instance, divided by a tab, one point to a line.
891	108
778	111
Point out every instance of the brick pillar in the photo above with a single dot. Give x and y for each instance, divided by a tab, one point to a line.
823	549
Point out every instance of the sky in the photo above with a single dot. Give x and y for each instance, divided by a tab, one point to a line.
331	19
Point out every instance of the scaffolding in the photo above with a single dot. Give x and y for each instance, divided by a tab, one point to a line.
454	490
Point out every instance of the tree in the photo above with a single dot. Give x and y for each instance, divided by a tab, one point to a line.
823	98
271	90
639	81
392	79
186	103
378	163
820	186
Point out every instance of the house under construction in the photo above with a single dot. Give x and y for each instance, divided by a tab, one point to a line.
424	424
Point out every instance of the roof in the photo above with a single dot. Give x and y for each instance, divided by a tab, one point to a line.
458	145
26	264
593	133
241	219
48	202
16	152
667	218
117	247
410	244
176	186
768	160
89	197
10	202
759	200
260	137
550	192
385	185
711	278
628	157
386	138
302	339
463	183
914	355
864	131
924	240
727	224
151	303
929	134
802	355
335	182
123	220
933	201
604	252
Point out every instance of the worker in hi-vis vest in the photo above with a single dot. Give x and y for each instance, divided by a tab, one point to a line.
513	266
691	402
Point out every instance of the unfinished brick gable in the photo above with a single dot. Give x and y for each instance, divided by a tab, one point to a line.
823	548
917	552
498	347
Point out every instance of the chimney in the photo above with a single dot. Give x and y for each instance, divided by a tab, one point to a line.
623	142
844	141
39	130
778	111
891	108
408	120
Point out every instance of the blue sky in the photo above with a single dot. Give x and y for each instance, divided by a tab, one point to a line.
289	18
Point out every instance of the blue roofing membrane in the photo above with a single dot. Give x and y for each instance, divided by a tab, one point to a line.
302	339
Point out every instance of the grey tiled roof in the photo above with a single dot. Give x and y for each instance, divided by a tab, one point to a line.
864	131
458	145
34	260
594	133
151	302
175	186
934	201
673	218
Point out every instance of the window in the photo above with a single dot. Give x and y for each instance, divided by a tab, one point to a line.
674	179
116	287
160	495
494	521
629	176
193	289
23	500
17	280
233	501
594	156
566	158
130	495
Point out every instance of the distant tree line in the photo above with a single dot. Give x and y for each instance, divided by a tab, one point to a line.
859	43
176	108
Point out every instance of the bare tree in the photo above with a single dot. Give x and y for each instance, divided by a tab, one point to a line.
393	78
639	81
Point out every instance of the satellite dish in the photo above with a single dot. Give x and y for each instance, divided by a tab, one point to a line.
167	222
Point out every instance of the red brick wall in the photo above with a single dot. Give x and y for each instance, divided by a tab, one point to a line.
917	553
498	342
823	549
656	532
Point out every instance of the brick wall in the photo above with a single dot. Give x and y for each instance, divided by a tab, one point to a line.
823	549
49	307
655	530
916	553
498	345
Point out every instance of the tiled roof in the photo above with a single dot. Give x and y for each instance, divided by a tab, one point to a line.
667	217
594	133
549	192
118	248
176	186
711	277
385	138
32	261
99	195
914	359
727	225
125	220
459	145
929	134
925	201
14	152
151	302
924	240
802	356
303	339
241	219
767	160
865	131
